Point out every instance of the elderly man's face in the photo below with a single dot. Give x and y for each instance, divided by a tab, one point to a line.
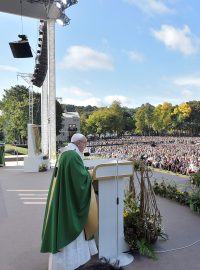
82	144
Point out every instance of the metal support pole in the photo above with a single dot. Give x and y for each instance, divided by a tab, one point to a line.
52	90
44	118
31	103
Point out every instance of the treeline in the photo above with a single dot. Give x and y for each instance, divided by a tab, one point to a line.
163	119
166	119
148	120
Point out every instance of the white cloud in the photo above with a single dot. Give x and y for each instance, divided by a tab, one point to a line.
83	102
79	97
75	91
187	94
188	81
8	68
151	6
85	58
177	39
125	101
156	100
136	56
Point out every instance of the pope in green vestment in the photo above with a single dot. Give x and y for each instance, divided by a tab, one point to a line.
67	203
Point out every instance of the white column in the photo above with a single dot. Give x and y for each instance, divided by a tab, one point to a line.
52	90
44	118
31	141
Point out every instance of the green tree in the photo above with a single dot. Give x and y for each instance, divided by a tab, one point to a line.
106	120
179	115
15	111
79	109
144	119
97	123
128	121
193	121
1	125
85	109
115	118
162	123
83	123
69	107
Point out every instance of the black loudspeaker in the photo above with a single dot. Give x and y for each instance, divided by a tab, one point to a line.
21	49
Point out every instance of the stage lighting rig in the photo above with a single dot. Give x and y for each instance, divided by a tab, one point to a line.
41	60
62	5
63	20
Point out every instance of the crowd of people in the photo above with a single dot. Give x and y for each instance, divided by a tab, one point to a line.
176	154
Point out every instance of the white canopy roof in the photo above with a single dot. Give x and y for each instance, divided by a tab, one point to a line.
39	9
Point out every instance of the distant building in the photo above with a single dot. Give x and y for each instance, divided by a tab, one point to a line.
70	125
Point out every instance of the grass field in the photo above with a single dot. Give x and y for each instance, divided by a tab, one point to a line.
10	150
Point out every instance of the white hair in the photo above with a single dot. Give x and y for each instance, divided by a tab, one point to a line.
77	137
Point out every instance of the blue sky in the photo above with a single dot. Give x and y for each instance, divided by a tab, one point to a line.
134	51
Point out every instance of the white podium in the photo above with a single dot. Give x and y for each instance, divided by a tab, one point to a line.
110	175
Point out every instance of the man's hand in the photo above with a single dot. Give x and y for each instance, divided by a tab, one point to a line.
91	173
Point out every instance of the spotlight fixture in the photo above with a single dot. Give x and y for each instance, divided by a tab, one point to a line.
63	4
63	20
21	48
60	5
69	3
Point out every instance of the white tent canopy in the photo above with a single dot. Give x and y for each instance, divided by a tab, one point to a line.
39	9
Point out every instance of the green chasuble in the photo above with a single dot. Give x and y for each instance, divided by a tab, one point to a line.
67	203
